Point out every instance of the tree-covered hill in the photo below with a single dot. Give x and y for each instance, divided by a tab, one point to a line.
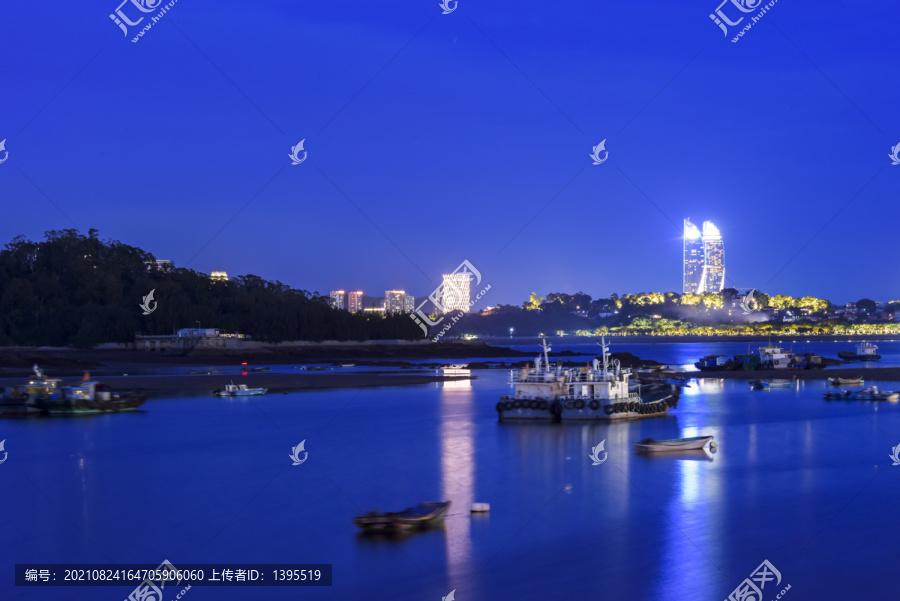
71	289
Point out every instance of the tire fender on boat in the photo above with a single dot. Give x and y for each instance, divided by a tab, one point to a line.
579	404
570	404
594	405
542	405
608	409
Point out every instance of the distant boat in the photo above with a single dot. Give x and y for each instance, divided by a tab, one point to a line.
865	351
46	396
675	444
316	368
456	366
846	381
716	363
240	390
765	384
773	357
869	394
257	368
204	371
348	364
420	517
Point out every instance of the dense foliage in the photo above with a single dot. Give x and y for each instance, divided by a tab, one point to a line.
77	290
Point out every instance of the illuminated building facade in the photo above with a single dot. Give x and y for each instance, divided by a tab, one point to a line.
218	276
714	259
395	301
693	258
337	299
704	259
456	291
355	301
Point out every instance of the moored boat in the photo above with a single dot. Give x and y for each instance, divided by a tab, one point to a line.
598	391
240	390
716	363
865	351
869	394
846	381
204	371
767	384
420	517
47	396
773	357
651	445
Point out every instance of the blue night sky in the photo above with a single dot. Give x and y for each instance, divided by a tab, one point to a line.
436	138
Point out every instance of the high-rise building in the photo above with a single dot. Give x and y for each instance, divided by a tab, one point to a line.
456	291
693	258
355	301
713	259
704	259
337	299
395	301
218	276
409	304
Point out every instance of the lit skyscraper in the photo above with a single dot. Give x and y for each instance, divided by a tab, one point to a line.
456	291
355	301
713	259
337	299
693	258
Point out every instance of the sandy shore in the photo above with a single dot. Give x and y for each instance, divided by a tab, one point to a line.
202	385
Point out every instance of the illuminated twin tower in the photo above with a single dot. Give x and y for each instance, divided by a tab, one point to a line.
704	259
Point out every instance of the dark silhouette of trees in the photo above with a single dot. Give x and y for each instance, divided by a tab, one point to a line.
77	290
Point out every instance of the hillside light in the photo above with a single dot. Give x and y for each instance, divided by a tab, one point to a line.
510	332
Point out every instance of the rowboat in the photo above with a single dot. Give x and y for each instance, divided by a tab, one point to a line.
845	381
766	384
239	390
675	444
869	394
420	517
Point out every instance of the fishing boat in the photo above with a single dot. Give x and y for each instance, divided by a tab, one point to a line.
773	357
767	384
747	362
348	364
257	368
716	363
865	351
846	381
239	390
456	366
204	371
25	400
598	391
317	368
420	517
675	444
869	394
92	398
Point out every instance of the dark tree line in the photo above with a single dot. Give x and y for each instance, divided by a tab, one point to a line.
76	290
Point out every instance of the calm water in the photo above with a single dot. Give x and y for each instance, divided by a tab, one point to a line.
804	483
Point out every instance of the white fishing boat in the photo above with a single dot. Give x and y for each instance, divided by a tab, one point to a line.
769	384
869	394
675	444
773	357
865	351
598	391
846	381
240	390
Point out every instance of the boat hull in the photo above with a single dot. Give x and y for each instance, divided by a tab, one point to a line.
510	408
666	446
421	517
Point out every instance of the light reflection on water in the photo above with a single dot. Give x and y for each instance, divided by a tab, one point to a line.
792	472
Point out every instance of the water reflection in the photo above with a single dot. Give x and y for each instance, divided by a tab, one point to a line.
457	433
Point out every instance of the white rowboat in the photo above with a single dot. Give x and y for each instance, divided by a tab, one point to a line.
675	444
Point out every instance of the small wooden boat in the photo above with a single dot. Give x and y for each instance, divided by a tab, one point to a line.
767	384
256	369
846	381
239	390
348	364
675	444
869	394
204	371
420	517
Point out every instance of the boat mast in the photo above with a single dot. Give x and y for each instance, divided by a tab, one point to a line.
605	348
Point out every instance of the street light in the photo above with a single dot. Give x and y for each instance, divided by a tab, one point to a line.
510	332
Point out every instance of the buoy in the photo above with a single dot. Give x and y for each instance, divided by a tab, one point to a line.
712	444
480	507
